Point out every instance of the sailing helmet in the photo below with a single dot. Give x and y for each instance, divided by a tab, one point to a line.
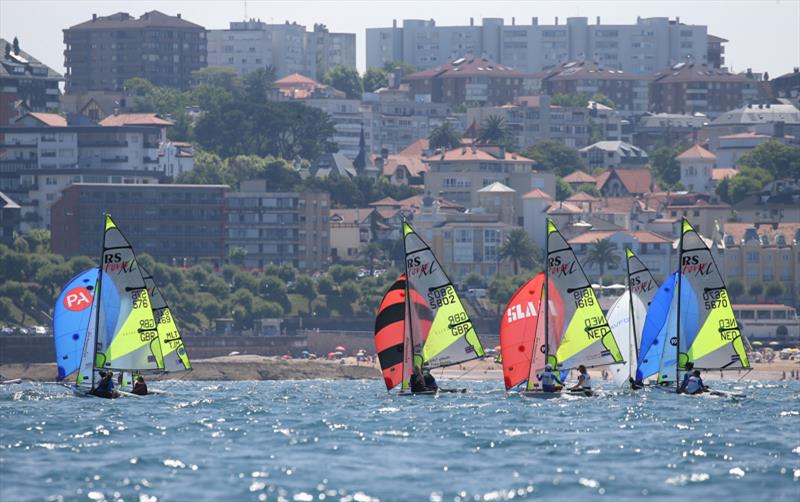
548	367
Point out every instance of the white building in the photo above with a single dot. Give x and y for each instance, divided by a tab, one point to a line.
646	46
697	169
249	45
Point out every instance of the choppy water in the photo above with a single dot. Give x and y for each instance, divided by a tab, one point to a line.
321	440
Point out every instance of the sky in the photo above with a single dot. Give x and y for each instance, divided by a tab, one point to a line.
763	34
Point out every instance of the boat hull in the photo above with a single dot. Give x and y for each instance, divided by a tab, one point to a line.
539	394
432	392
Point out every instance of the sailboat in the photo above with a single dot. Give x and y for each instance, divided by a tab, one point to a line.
570	328
654	334
705	331
121	333
627	316
421	322
71	317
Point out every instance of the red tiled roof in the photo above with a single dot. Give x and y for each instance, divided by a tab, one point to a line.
296	80
416	148
682	73
635	181
470	154
720	173
124	119
350	216
737	230
581	197
579	176
563	208
386	201
123	20
642	236
537	194
696	152
468	67
744	135
414	165
589	70
49	119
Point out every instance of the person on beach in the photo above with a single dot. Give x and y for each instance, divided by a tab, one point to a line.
584	380
686	376
695	384
550	379
140	388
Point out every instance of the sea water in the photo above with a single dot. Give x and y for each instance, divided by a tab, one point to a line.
350	440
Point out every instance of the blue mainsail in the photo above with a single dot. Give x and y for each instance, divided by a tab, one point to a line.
654	333
71	317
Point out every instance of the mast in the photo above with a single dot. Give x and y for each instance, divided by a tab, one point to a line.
631	314
546	294
678	317
97	295
408	298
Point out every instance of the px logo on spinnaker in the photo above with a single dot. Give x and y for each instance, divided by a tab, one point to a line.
77	299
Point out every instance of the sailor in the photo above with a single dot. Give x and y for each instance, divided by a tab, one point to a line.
635	384
686	376
417	381
550	380
140	388
105	387
584	380
430	382
695	384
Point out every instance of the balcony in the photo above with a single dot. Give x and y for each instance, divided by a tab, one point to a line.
102	143
18	145
115	160
148	160
15	165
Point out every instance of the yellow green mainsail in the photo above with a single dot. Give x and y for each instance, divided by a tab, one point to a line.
174	356
127	338
708	333
587	338
442	335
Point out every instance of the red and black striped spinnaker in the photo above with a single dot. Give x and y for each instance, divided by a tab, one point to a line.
390	325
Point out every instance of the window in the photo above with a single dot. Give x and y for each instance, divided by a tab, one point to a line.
763	314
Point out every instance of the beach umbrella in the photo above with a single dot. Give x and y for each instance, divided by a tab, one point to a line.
339	348
758	344
339	353
286	357
331	355
774	343
305	352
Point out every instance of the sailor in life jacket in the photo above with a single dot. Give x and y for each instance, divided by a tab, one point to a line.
549	378
695	385
584	380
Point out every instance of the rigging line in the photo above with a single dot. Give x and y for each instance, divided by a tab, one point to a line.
459	377
748	372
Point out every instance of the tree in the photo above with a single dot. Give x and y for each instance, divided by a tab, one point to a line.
474	280
346	80
779	160
401	67
6	306
603	253
589	188
747	181
494	130
375	78
500	290
305	287
518	249
665	166
221	77
553	156
756	289
208	170
236	255
444	136
775	291
563	189
735	288
256	85
16	46
371	253
342	273
27	302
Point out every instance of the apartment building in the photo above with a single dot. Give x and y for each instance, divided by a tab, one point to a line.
459	174
249	45
629	91
9	219
43	153
689	88
643	47
469	79
278	227
532	119
104	52
26	84
778	120
175	224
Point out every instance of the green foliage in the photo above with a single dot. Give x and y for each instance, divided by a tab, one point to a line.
747	181
494	131
735	289
374	79
474	280
501	289
358	192
519	250
403	68
553	156
305	287
589	188
603	254
778	159
563	189
755	290
256	86
580	100
665	167
346	80
224	78
444	136
775	291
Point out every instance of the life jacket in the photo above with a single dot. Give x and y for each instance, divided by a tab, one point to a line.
548	379
694	385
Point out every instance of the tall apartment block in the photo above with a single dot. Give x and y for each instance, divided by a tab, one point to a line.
102	53
249	45
646	46
278	227
25	84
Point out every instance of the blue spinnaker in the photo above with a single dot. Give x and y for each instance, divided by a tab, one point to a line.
654	333
70	320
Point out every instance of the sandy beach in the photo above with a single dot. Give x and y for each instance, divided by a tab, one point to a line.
251	367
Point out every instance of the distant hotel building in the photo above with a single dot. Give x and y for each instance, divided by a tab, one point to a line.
278	227
249	45
694	88
104	52
26	85
175	224
644	47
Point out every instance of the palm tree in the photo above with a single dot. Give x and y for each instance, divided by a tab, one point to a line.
371	253
518	249
493	130
444	136
602	254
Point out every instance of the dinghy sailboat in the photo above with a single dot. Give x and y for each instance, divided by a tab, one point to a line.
569	329
705	331
421	323
627	316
